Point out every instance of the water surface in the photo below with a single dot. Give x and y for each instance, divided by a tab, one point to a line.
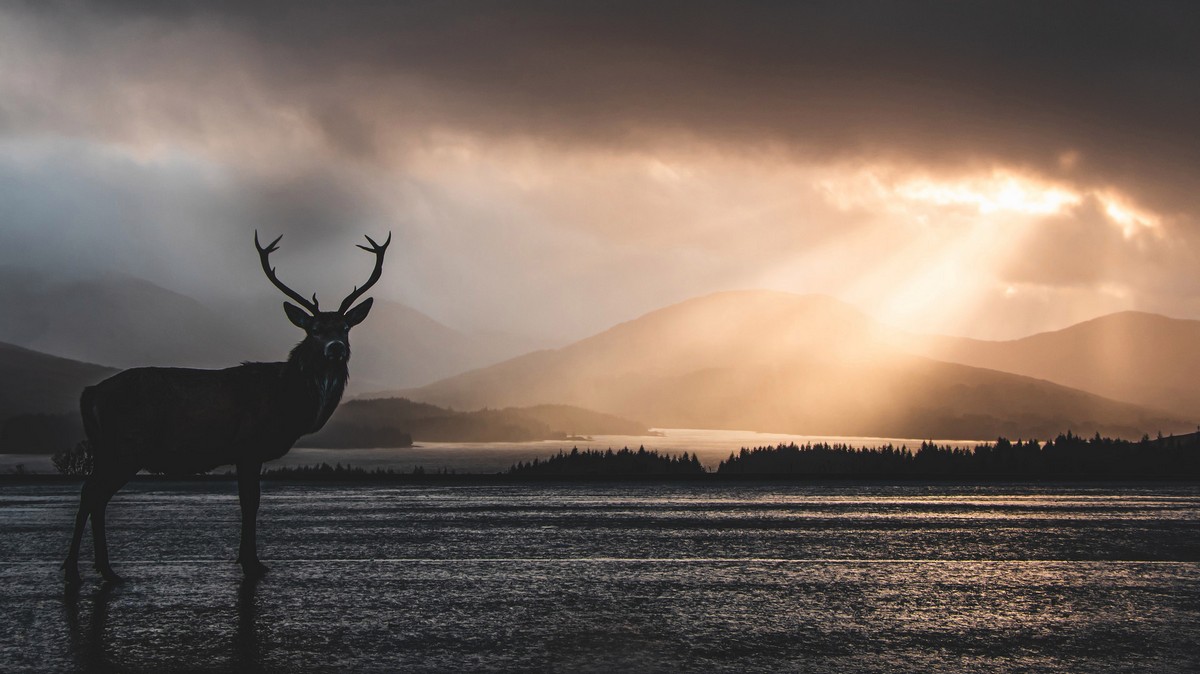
832	577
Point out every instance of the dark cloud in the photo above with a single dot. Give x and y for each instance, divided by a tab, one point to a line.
935	82
81	210
312	119
312	208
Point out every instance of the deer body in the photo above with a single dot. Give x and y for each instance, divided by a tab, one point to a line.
186	421
181	421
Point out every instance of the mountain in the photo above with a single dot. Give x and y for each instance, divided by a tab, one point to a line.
769	361
397	422
399	346
1132	356
39	399
118	320
32	382
129	322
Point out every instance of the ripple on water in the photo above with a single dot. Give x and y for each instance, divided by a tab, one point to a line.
602	578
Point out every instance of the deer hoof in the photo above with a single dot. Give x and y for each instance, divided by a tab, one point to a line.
109	575
254	568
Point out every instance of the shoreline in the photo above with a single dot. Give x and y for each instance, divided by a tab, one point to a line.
471	479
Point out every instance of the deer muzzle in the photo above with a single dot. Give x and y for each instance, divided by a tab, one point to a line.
337	351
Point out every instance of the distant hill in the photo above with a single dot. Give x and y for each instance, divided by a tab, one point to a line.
397	422
128	322
32	382
769	361
39	399
399	346
39	413
117	320
1133	356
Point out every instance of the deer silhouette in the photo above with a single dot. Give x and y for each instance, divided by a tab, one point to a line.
186	421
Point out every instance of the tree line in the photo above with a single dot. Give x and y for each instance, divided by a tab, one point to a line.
1067	456
624	462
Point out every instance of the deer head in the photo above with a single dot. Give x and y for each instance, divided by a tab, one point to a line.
328	332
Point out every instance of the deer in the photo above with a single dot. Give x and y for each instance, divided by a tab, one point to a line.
187	421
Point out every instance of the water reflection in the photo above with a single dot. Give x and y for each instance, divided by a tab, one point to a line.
247	656
87	641
94	649
626	578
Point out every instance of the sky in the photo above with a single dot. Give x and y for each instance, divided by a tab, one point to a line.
550	169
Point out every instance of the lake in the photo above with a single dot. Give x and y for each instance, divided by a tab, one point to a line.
594	577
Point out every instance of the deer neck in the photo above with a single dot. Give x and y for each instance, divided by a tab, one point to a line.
319	381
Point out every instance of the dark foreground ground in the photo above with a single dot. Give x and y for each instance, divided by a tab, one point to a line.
589	577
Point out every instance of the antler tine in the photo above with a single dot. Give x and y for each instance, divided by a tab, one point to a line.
263	255
379	251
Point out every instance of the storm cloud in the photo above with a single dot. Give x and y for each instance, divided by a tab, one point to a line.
557	167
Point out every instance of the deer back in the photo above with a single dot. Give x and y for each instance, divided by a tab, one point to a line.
178	420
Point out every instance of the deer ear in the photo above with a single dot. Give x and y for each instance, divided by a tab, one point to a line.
358	313
297	316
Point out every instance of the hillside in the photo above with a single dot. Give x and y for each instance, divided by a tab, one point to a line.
770	361
36	382
131	323
39	399
400	346
1137	357
397	422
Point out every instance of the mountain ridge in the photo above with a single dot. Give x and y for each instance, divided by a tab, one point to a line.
125	321
1135	356
47	384
772	361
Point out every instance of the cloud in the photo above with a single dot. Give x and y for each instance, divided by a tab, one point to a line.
77	209
943	82
1082	246
567	165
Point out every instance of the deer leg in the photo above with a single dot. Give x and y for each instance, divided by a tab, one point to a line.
248	496
100	543
104	494
71	565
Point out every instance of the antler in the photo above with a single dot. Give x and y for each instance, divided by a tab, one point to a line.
263	254
378	250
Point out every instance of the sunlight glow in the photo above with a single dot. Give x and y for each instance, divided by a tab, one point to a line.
942	246
999	192
933	281
937	243
1129	217
919	248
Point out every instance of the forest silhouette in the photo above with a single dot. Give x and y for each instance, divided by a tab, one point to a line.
593	462
1066	457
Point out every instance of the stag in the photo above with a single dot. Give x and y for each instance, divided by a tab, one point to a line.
186	421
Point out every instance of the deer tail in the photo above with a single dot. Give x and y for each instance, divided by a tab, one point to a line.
90	412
